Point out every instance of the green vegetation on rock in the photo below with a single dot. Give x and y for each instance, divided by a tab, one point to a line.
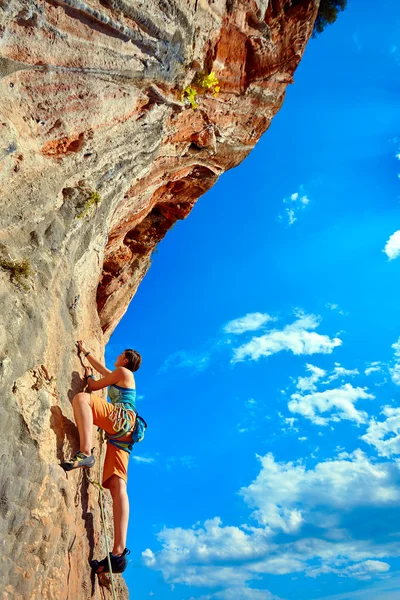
327	14
93	200
19	270
201	84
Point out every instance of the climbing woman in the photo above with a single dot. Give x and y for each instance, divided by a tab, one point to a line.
118	419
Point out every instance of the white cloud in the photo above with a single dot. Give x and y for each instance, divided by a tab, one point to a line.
298	201
363	570
392	248
148	557
285	495
339	402
298	338
250	322
196	556
336	308
395	373
395	370
244	593
339	371
308	383
385	435
142	459
290	215
373	367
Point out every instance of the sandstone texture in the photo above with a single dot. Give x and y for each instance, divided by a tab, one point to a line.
99	157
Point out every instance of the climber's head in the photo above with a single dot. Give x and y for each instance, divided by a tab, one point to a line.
130	359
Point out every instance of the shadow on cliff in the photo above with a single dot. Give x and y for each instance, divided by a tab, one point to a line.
64	429
77	385
82	498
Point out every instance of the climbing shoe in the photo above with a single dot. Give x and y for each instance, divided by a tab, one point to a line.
118	563
79	461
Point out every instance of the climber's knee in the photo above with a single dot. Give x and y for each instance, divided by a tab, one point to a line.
116	485
82	398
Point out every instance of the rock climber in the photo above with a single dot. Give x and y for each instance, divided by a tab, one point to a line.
118	419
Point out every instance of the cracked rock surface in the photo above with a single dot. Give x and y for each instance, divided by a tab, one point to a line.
99	157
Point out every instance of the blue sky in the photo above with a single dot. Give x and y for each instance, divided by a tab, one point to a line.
270	334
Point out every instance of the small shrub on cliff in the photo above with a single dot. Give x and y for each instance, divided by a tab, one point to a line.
327	14
19	270
93	200
201	84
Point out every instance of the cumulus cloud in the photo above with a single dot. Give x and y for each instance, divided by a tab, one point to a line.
299	338
385	435
295	203
395	373
306	384
309	383
250	322
284	495
392	247
339	402
198	556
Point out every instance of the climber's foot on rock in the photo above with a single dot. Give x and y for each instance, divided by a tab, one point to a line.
118	563
79	461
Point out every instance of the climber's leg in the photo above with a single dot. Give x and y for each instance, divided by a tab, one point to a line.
117	487
84	421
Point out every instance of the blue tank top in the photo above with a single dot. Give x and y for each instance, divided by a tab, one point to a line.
120	395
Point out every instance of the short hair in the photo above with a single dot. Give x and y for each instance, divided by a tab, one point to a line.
134	359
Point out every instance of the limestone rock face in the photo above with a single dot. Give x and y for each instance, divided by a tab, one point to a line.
99	156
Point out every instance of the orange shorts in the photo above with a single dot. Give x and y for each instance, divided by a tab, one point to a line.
116	460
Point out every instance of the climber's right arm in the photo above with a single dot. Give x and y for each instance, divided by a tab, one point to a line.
97	365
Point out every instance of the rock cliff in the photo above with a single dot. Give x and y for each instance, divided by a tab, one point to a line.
100	154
